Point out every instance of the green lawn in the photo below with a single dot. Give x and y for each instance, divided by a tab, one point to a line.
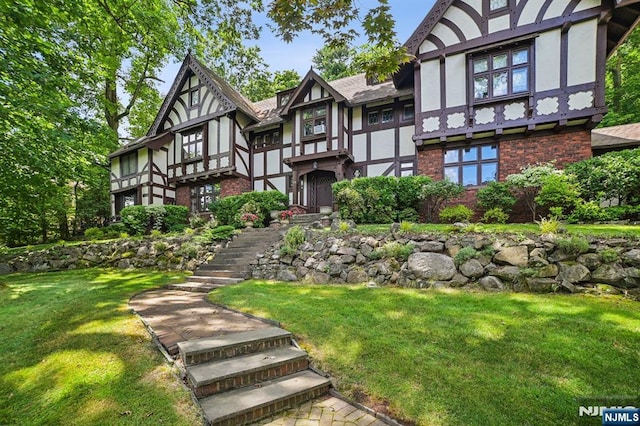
608	230
459	358
73	353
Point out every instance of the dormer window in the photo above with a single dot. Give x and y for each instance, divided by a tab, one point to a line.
283	97
314	121
500	73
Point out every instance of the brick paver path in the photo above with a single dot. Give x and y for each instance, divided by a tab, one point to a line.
324	411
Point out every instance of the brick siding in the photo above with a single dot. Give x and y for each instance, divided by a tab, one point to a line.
563	148
234	186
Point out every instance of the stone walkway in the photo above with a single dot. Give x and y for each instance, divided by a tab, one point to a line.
176	316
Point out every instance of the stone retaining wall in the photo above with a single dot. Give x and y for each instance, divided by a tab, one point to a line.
172	253
489	262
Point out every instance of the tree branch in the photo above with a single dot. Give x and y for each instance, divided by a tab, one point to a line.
136	92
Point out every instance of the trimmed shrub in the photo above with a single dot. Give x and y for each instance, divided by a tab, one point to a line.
156	214
496	195
458	213
176	218
495	215
227	209
219	233
623	212
135	219
381	199
93	234
409	215
559	190
589	211
114	230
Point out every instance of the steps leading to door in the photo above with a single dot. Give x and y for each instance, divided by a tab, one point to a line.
230	265
243	377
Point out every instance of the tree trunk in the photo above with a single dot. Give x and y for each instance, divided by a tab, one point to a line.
111	103
616	78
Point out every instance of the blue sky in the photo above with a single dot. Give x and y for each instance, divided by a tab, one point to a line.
297	55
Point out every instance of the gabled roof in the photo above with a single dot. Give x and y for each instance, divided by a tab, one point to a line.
227	95
352	91
305	85
426	26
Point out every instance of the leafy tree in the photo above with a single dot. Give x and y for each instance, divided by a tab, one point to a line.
613	176
335	62
528	182
623	83
560	190
436	193
496	195
266	85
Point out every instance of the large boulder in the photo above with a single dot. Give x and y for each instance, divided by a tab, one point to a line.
632	257
472	268
612	274
573	272
541	285
491	283
515	255
431	266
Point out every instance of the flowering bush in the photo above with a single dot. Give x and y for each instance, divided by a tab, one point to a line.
286	214
249	217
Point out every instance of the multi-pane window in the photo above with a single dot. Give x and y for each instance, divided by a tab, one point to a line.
373	118
314	121
381	115
129	164
265	140
203	195
194	97
475	165
192	145
502	73
387	115
408	112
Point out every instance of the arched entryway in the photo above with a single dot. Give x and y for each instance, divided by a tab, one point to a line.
320	193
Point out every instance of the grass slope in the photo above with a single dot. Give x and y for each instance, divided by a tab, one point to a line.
454	358
72	353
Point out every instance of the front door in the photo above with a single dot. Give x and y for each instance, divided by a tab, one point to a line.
320	190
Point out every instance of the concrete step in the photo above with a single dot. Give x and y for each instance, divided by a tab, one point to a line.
208	349
221	281
223	273
233	373
224	267
249	404
194	287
